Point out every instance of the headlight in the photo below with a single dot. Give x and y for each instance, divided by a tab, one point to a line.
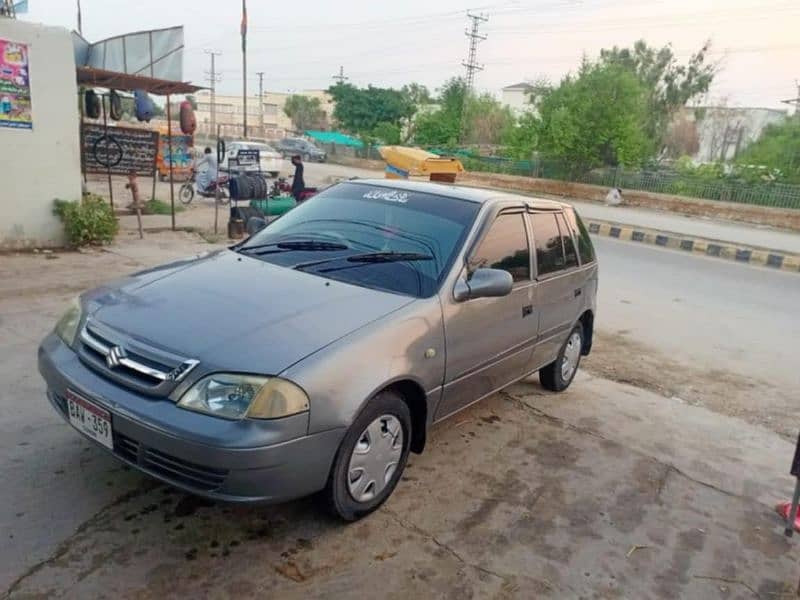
233	396
67	326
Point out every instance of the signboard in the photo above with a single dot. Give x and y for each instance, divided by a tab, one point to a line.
181	157
15	90
123	150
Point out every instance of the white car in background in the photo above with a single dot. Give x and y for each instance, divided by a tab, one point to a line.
271	161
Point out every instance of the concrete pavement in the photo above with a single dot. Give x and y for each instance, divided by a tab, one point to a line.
611	490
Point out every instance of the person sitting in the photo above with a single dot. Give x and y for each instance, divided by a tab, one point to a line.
207	170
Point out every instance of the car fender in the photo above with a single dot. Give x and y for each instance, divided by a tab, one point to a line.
340	379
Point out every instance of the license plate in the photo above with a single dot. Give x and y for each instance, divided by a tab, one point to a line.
90	419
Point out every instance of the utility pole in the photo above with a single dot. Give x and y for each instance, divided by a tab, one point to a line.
794	101
471	64
261	101
80	19
340	78
212	79
244	68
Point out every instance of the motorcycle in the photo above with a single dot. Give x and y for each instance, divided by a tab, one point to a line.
187	190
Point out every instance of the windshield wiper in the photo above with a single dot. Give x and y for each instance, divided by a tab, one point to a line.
304	245
385	257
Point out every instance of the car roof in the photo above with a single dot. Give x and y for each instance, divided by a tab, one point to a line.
463	192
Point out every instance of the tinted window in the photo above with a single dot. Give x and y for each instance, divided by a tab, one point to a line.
547	237
570	254
363	219
505	247
585	248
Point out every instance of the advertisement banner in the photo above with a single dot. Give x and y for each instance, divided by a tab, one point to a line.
15	91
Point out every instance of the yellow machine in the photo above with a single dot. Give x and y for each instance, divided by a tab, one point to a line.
403	162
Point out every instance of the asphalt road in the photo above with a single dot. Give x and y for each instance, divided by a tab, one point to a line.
702	312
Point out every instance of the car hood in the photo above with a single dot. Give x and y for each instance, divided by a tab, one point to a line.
236	312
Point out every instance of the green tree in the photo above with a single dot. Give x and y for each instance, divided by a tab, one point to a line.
595	118
442	127
778	148
486	121
417	94
522	139
387	133
305	112
669	84
360	110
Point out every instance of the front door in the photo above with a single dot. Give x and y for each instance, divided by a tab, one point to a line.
489	340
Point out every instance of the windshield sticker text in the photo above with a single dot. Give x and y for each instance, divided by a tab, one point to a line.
387	195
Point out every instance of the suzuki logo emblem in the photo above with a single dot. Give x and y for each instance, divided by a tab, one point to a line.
114	357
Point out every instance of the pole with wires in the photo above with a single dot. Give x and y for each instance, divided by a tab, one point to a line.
261	103
244	68
471	65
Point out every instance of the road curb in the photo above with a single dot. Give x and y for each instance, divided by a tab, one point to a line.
741	253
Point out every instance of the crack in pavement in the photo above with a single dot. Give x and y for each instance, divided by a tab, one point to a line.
564	424
506	578
64	546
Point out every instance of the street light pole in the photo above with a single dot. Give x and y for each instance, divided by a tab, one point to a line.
244	67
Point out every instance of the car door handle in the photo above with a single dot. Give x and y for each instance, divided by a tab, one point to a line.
527	310
578	292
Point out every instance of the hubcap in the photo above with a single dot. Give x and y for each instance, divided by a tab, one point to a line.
572	354
375	458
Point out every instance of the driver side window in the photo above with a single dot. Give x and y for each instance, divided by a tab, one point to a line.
505	247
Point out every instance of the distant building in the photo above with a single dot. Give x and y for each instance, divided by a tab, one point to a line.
723	132
517	97
230	114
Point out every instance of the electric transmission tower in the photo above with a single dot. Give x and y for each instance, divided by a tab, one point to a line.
471	64
213	78
340	77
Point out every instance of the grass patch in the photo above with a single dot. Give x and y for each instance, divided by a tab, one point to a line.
158	207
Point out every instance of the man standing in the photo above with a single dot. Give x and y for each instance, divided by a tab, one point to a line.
298	184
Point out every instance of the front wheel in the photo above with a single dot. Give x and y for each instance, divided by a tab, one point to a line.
371	458
186	193
559	374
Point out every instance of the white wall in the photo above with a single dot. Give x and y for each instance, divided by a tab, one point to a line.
517	99
39	165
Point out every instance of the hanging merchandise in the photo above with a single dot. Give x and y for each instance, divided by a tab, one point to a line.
144	105
114	106
91	104
188	120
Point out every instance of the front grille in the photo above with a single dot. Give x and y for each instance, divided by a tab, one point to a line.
130	363
170	467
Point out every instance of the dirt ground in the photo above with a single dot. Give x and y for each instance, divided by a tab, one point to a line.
629	485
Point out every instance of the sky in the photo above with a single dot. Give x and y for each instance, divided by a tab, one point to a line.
301	45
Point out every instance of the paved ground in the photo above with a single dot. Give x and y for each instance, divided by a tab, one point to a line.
636	483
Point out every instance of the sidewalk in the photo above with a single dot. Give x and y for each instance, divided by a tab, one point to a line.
724	231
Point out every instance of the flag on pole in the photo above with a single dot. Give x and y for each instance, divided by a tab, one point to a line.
21	7
244	25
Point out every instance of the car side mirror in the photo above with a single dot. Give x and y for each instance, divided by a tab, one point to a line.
484	283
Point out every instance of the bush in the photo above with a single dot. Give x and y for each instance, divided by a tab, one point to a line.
89	221
158	207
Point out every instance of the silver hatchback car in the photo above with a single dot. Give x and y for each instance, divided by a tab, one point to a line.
317	353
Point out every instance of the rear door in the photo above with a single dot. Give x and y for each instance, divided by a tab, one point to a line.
559	289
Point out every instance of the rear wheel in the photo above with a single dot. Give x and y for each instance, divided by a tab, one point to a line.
559	374
186	193
371	458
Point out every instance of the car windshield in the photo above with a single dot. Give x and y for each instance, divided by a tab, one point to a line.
374	236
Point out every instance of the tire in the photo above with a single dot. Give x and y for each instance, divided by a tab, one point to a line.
186	193
557	376
386	409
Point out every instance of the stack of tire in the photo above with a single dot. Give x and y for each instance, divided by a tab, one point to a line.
248	187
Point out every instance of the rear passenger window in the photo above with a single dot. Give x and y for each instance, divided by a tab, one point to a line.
585	248
505	247
570	254
549	250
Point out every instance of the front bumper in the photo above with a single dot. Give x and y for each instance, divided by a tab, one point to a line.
243	461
